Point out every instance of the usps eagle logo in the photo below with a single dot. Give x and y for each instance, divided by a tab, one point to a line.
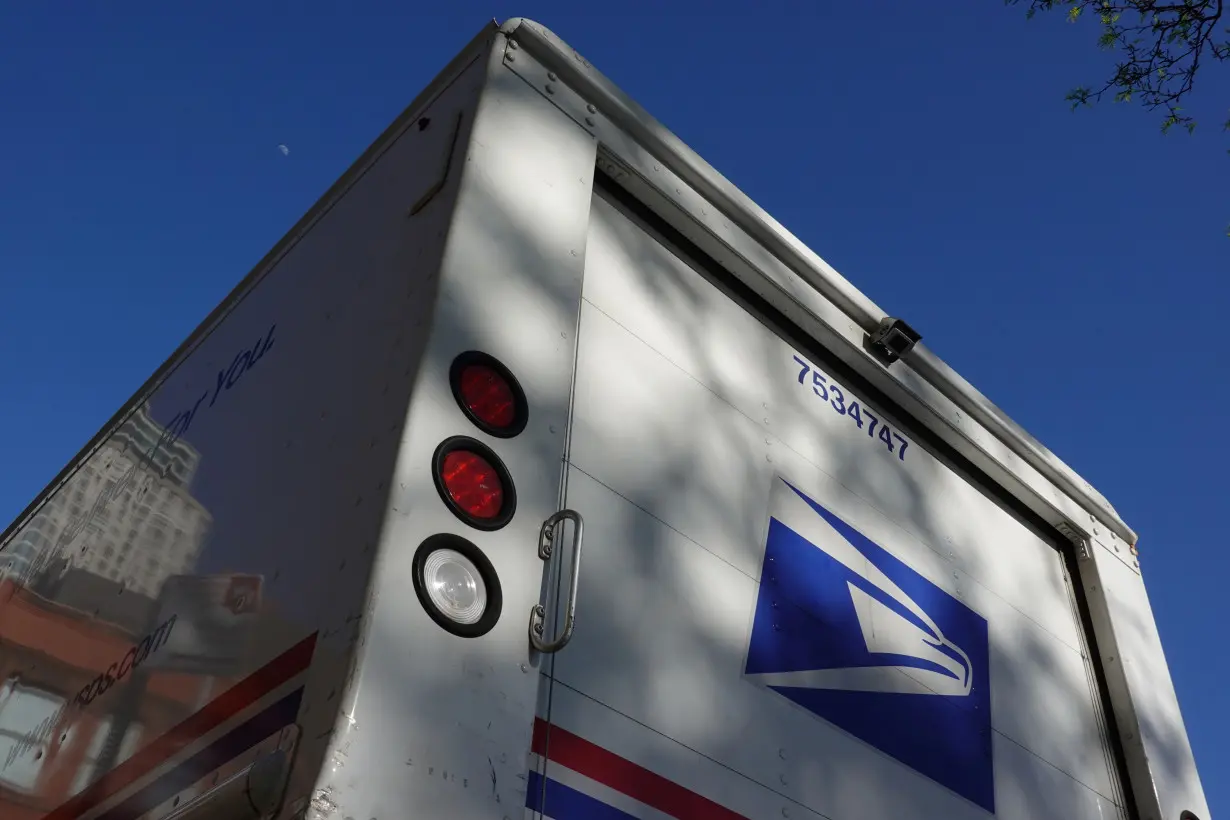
853	635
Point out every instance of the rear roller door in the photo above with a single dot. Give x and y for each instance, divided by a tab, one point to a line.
787	605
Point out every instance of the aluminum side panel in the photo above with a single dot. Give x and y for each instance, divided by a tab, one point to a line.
198	585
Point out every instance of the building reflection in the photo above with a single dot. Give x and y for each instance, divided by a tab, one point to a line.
86	678
151	529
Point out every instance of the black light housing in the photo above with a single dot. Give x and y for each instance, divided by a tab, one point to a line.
474	483
457	585
892	339
489	394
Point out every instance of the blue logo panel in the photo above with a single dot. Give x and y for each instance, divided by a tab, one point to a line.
855	636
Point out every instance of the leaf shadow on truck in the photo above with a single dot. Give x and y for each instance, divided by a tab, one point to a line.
1025	673
319	500
1026	676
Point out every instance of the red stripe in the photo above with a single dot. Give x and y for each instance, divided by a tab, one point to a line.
230	703
623	775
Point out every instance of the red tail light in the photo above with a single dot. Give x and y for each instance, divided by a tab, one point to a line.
488	394
474	483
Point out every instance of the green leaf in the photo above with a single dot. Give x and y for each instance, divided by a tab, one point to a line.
1079	96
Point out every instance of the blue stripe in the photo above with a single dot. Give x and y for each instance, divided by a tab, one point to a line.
564	803
222	751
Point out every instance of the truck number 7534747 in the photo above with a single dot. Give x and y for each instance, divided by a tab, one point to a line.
830	392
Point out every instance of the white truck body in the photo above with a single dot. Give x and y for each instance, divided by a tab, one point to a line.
814	581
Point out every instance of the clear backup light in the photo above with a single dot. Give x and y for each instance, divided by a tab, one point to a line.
457	585
454	586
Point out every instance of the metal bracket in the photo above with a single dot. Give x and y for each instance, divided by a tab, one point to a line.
892	340
438	185
255	792
1083	551
1084	548
561	96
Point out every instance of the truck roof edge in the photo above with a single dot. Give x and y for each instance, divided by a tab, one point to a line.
557	55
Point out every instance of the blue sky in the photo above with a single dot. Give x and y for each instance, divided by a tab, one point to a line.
1074	267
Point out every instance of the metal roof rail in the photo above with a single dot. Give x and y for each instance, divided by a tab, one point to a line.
622	111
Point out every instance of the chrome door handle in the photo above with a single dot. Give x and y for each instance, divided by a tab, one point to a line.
546	549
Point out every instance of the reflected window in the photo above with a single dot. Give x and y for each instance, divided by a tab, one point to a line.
24	711
86	773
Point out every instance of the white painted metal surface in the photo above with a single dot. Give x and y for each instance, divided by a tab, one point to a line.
309	456
261	500
1147	708
655	140
676	506
439	726
696	201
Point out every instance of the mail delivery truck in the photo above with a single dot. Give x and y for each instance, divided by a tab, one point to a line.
537	472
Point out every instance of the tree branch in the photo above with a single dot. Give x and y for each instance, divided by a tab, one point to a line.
1162	44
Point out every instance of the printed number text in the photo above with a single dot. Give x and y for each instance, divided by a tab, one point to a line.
831	393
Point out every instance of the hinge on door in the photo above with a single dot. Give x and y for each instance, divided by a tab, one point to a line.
1083	550
1083	547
